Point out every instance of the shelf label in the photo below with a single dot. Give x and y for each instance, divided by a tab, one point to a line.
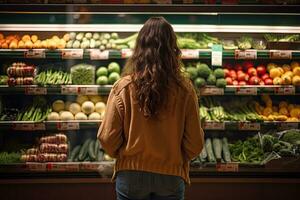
126	53
246	54
246	91
278	54
29	127
211	91
249	126
189	54
97	54
68	90
36	166
64	126
63	166
72	54
227	167
35	53
214	126
216	55
287	125
287	90
35	91
89	166
88	90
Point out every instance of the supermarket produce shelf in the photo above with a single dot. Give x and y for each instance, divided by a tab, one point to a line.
94	124
251	90
57	90
96	54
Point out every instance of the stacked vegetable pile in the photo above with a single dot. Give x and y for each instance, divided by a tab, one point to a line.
238	109
53	77
201	74
83	74
37	112
284	111
109	74
247	74
20	74
90	150
85	108
196	41
9	158
32	42
3	79
285	74
282	37
215	149
52	148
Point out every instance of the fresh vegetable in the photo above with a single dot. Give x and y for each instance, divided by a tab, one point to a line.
66	115
245	42
221	83
83	74
217	147
225	150
88	107
84	150
58	105
8	158
219	73
51	77
209	150
94	116
203	70
74	108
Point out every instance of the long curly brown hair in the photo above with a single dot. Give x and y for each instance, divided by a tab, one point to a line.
154	65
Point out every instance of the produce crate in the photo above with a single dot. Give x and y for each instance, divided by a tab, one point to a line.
284	45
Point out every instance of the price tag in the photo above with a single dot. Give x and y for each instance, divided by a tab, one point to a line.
69	90
126	53
36	166
35	53
288	90
96	54
72	54
63	126
66	167
211	91
227	167
189	54
88	90
35	91
216	55
246	91
287	125
89	166
214	126
23	127
277	54
247	54
249	126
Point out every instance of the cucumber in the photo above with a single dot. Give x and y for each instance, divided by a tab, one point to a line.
209	150
84	150
74	153
91	151
100	156
203	155
96	147
217	146
225	150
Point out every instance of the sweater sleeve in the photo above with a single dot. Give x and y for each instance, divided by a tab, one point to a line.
111	129
193	138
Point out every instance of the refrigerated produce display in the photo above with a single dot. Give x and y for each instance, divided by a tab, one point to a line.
58	69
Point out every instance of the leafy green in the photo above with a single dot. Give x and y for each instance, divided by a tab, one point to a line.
83	74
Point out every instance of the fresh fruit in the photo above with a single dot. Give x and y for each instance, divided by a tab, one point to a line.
226	72
203	70
267	111
286	67
296	80
275	72
289	73
211	80
102	71
233	74
254	80
102	80
295	64
261	70
247	65
88	107
252	71
58	105
283	104
286	80
241	76
268	81
219	73
235	82
192	72
242	83
271	66
114	67
277	81
228	80
113	77
265	76
221	83
284	111
199	82
296	71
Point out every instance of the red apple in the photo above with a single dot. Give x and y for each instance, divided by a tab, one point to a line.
261	70
242	83
247	65
268	81
233	74
235	82
254	80
247	77
252	71
261	82
226	72
241	76
265	76
228	80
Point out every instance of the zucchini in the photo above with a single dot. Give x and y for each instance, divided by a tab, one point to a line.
225	150
74	153
203	155
217	146
84	150
100	155
209	150
96	147
91	151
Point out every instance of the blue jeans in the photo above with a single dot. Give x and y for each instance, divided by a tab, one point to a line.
139	185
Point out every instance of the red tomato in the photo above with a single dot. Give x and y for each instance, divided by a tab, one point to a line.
228	80
261	70
252	71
